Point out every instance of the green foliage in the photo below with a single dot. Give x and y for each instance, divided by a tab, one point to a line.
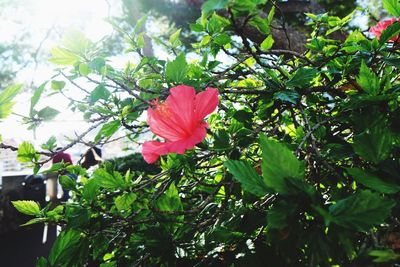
211	5
68	246
375	143
107	180
392	6
27	207
372	181
63	57
267	43
361	211
36	97
27	153
56	85
368	80
176	70
278	164
6	100
67	182
108	129
50	144
244	173
124	202
100	92
302	77
299	167
170	200
47	113
390	32
387	255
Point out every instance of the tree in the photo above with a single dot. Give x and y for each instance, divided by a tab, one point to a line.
299	166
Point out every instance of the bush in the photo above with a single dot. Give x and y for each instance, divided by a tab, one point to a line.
300	165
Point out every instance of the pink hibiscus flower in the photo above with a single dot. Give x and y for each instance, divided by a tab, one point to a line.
381	26
179	120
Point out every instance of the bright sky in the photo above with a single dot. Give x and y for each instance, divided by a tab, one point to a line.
36	17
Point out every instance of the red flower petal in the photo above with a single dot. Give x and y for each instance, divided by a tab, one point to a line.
205	103
179	120
181	104
381	26
164	126
152	150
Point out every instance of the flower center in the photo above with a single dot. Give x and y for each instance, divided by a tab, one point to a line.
161	108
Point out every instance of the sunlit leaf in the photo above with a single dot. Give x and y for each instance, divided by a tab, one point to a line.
27	207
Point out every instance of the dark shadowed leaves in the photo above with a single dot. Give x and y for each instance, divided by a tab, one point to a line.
372	181
361	211
278	163
246	175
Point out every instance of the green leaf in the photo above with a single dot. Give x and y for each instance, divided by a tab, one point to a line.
393	61
290	96
107	180
174	38
278	163
261	24
392	7
47	113
212	5
27	153
271	14
63	57
249	179
97	64
139	24
386	255
368	80
90	190
372	181
55	214
221	140
222	39
55	167
277	216
361	211
374	144
140	40
65	247
6	98
41	262
108	130
170	200
34	221
216	24
50	143
100	92
267	43
36	96
76	42
224	235
391	31
84	69
57	85
176	70
27	207
77	215
196	27
125	201
67	182
302	77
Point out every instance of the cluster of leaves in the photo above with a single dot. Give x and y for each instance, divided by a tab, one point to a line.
300	167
